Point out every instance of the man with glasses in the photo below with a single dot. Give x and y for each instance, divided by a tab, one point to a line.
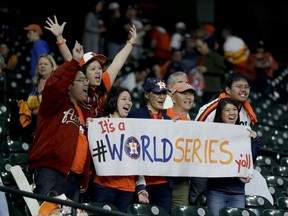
238	89
59	157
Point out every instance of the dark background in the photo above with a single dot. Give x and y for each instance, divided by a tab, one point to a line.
250	19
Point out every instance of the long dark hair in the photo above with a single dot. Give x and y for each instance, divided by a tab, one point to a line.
220	106
110	105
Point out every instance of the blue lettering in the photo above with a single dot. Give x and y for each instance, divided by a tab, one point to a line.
166	145
113	150
155	152
145	140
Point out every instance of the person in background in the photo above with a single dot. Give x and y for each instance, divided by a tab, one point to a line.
28	109
11	58
118	190
155	91
261	66
118	27
236	51
160	44
2	63
132	14
212	65
183	98
178	37
172	65
99	82
93	28
229	192
40	46
59	157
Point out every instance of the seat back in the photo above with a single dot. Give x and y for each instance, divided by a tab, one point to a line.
11	146
188	210
282	203
280	171
274	212
257	203
276	181
229	211
263	160
146	210
284	161
101	205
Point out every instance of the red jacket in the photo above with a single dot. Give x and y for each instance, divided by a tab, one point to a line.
57	131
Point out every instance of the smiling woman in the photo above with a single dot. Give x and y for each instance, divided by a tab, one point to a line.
118	190
229	192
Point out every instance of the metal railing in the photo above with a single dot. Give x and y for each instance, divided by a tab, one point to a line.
73	205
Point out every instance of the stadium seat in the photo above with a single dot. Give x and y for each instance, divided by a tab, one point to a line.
101	205
276	181
19	158
274	212
263	160
277	192
257	203
188	210
264	170
280	171
282	203
146	210
284	161
229	211
11	146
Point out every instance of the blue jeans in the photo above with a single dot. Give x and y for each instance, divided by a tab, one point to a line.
50	182
120	199
218	199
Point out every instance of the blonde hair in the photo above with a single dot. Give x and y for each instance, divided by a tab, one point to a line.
52	61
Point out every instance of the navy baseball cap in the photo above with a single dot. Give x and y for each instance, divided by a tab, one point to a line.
155	85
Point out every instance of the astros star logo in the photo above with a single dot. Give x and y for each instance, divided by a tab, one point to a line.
161	84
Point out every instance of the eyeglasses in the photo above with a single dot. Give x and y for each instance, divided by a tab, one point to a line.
82	80
245	87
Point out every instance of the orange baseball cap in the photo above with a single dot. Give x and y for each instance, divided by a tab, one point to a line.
34	27
181	87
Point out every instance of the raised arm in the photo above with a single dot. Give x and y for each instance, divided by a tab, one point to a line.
57	30
122	56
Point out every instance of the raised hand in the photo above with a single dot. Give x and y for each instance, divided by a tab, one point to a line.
54	27
133	34
78	51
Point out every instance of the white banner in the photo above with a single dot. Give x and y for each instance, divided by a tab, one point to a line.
123	146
